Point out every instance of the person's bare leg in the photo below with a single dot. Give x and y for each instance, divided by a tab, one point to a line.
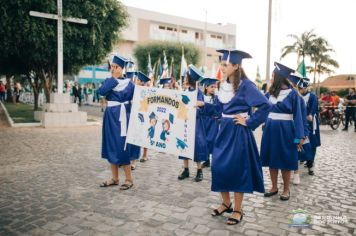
238	198
115	172
128	176
144	156
274	177
186	163
286	182
226	200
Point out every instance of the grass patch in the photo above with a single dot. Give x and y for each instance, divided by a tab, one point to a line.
20	112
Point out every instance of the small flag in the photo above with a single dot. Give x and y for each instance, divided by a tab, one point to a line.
301	69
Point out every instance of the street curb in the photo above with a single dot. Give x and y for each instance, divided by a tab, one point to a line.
17	125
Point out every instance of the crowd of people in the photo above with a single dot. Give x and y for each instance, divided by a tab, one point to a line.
228	112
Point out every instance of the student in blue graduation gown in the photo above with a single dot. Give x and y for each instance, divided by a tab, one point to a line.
311	101
236	165
304	153
211	122
284	131
118	92
201	150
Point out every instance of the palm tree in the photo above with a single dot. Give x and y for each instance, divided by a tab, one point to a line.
301	46
319	55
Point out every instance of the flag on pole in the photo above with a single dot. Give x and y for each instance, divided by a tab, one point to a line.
219	74
258	76
149	67
183	65
165	66
301	69
171	67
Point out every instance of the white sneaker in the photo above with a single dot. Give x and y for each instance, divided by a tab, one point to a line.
296	179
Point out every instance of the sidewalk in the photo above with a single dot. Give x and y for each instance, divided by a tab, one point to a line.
49	184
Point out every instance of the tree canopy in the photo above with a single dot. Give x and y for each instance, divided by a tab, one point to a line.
30	43
172	50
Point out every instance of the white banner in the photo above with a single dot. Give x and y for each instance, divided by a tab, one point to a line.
163	120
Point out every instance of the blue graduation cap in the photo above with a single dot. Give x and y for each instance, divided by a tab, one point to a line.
140	116
131	74
120	61
152	116
208	81
171	118
294	79
282	70
306	83
129	63
233	56
185	99
194	73
165	81
141	76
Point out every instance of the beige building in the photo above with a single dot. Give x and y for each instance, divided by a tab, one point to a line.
145	26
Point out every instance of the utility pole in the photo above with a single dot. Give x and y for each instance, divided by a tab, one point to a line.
268	64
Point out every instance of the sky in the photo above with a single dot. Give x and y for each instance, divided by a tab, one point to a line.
331	19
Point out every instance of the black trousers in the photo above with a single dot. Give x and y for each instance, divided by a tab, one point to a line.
350	113
310	163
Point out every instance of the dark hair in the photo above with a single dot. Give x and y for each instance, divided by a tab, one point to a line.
264	87
278	82
190	81
238	75
206	91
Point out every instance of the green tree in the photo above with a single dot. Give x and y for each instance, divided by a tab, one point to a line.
323	62
301	46
172	50
28	44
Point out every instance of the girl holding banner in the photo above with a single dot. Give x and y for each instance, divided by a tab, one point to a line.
211	122
118	92
236	165
201	150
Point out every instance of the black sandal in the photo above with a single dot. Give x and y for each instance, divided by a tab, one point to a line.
126	186
111	183
228	209
143	159
234	221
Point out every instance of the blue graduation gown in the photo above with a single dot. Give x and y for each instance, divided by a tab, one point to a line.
211	123
201	149
313	110
113	144
280	137
236	164
134	150
306	153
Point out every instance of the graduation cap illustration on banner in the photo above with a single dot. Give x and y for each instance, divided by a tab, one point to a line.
140	117
171	118
181	144
185	99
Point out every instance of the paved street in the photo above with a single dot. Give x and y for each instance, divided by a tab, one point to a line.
49	185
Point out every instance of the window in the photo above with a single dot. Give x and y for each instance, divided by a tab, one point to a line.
196	35
213	36
161	27
170	28
184	31
219	37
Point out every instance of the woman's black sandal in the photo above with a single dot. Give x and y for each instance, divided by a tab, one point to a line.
111	183
227	209
126	186
234	221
